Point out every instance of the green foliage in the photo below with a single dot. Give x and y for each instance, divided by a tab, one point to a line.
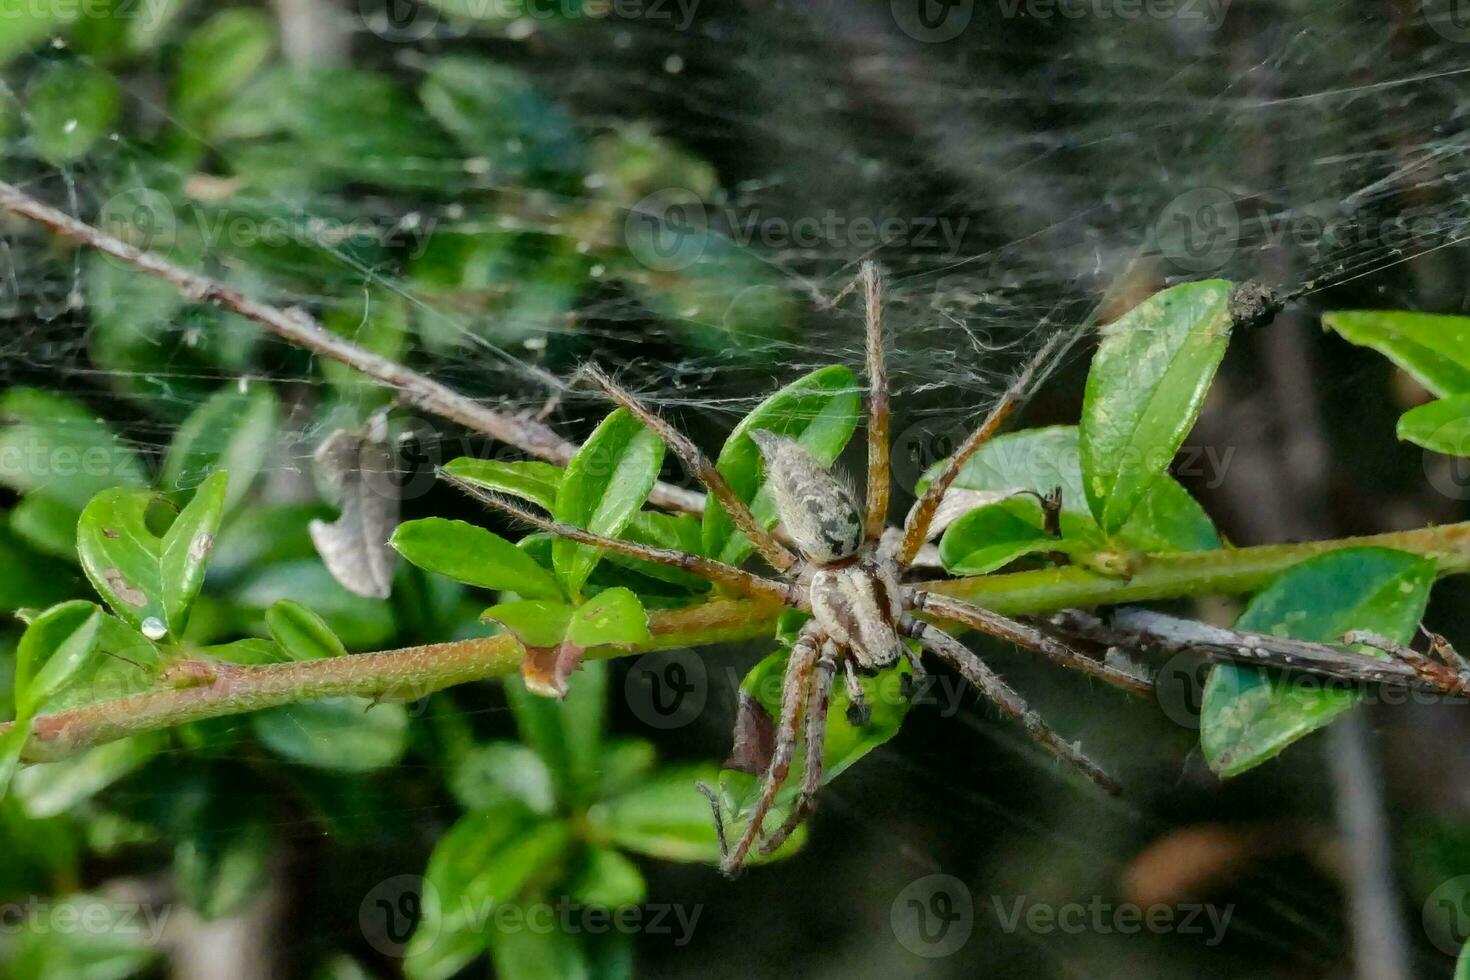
1248	716
474	556
1147	383
72	106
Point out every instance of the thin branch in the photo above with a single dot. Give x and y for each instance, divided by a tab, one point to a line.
218	690
1145	631
302	330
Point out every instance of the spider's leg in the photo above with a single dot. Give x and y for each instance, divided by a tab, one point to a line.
793	691
916	527
987	682
913	681
715	571
859	712
770	549
1005	628
714	805
818	699
876	518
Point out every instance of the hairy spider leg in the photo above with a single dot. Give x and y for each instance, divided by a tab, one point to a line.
1005	628
987	682
773	551
876	516
916	527
819	698
716	571
794	688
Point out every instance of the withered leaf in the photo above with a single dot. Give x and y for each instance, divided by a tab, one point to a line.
359	465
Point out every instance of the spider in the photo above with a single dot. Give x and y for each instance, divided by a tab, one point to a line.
848	574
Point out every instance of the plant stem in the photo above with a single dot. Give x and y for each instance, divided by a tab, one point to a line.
414	672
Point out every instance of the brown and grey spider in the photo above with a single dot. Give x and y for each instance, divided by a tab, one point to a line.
848	575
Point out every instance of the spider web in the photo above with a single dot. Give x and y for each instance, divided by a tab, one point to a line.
1049	164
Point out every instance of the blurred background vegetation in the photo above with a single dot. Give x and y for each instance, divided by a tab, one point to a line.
460	186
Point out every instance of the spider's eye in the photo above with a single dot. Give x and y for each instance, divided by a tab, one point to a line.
816	509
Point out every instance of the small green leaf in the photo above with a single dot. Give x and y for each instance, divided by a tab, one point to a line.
485	860
605	485
361	623
302	633
149	580
1435	350
613	616
349	734
1040	460
529	480
474	556
60	787
523	954
1441	427
1249	716
675	532
116	941
535	622
607	879
1462	964
12	742
1144	391
233	432
217	58
988	537
46	524
489	775
55	445
820	411
666	817
54	648
72	106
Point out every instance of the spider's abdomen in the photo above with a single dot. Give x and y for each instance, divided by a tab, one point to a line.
817	511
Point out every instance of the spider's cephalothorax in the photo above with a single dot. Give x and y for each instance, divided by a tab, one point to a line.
861	610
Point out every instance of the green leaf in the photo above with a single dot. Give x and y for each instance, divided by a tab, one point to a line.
28	24
1168	519
46	524
1462	964
675	532
1435	350
1441	427
348	734
55	445
1249	716
666	817
216	59
118	940
52	651
72	106
60	787
605	485
12	742
485	860
820	411
233	432
149	580
302	633
499	116
1144	391
988	537
489	775
362	623
521	954
607	879
474	556
567	734
535	622
529	480
613	616
225	859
